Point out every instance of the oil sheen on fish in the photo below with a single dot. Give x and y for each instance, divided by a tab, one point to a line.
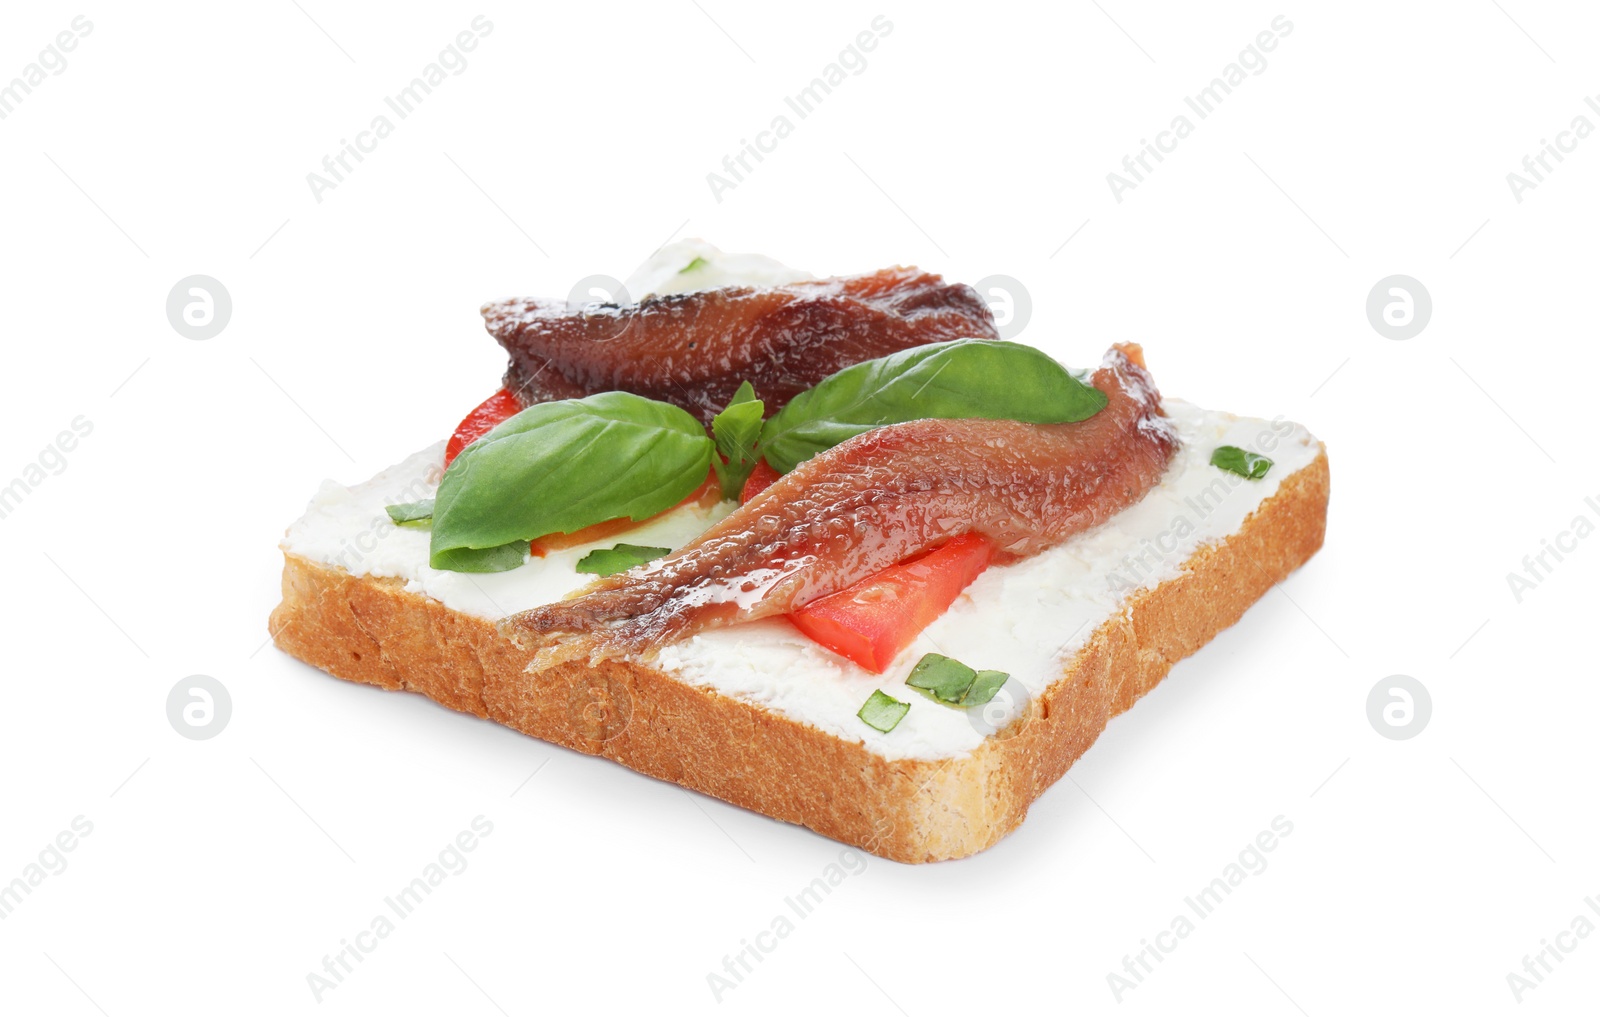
693	349
875	500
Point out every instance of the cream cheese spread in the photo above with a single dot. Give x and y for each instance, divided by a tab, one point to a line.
691	265
1028	618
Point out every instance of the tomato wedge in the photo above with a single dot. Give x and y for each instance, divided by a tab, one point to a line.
872	621
761	478
498	407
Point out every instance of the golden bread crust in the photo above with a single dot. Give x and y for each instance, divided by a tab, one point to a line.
373	631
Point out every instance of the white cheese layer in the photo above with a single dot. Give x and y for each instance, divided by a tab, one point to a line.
691	265
1027	619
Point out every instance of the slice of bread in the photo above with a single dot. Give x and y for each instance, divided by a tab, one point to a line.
374	630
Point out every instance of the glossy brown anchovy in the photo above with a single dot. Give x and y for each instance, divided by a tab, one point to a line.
875	500
693	349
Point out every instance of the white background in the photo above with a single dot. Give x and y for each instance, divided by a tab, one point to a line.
976	142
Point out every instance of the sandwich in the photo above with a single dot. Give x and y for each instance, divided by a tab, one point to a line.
826	549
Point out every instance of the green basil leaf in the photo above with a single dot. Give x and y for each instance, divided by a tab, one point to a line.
696	263
557	467
745	393
1237	460
963	378
984	687
735	430
488	559
412	514
608	561
882	711
942	678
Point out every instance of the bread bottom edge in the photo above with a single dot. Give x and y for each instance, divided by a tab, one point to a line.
373	631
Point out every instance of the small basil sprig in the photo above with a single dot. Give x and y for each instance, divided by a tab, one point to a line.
559	466
1236	460
963	378
882	711
735	430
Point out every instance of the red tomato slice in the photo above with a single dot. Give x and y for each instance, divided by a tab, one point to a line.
498	407
872	621
761	478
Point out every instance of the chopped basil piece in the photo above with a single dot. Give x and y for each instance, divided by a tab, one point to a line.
1237	460
610	561
415	514
696	263
948	681
882	712
736	430
942	678
984	687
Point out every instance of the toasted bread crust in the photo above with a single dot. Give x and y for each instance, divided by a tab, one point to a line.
373	631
